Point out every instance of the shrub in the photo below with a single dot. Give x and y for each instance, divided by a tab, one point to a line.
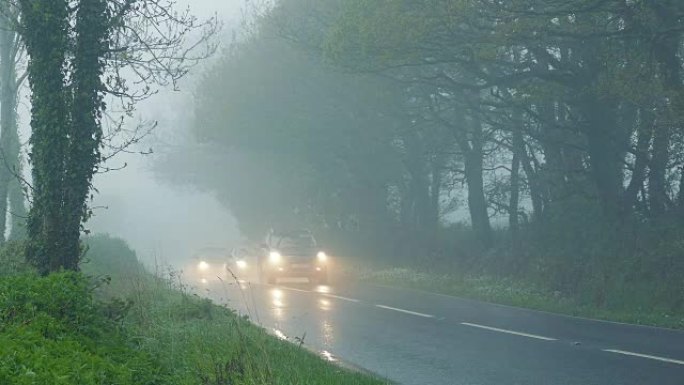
12	260
108	255
53	332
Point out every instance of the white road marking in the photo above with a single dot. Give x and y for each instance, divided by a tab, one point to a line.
508	331
342	298
295	289
406	311
663	359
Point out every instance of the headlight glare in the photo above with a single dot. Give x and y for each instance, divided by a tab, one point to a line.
241	264
322	257
275	257
203	265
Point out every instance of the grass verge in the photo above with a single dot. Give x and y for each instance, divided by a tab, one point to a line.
507	291
118	324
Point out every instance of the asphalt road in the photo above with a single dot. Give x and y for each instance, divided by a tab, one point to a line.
412	337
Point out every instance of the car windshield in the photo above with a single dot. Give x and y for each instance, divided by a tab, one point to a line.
290	243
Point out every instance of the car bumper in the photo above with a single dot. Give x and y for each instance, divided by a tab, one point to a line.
296	271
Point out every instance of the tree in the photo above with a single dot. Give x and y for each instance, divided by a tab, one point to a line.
312	151
12	198
77	53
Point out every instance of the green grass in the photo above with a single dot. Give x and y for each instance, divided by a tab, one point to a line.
209	344
507	291
117	324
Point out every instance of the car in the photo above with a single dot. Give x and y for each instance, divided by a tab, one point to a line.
243	261
211	263
292	254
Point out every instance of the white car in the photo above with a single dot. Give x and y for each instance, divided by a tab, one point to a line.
292	254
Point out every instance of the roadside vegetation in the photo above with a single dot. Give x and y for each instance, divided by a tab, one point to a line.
115	323
520	293
594	271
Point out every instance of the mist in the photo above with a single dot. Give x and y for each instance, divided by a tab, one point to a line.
342	192
163	222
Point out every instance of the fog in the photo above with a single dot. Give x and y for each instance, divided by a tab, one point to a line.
161	221
433	192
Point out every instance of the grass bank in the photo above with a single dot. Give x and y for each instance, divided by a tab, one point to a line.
508	291
118	324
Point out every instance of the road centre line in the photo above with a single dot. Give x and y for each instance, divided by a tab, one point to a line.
405	311
295	289
508	331
626	353
341	297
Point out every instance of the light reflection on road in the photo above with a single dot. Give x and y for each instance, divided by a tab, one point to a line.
328	333
323	289
280	307
287	310
276	294
277	303
324	304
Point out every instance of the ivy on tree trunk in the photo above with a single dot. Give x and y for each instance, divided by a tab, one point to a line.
66	64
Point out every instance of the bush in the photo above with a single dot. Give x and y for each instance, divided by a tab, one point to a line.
624	270
53	332
106	255
12	260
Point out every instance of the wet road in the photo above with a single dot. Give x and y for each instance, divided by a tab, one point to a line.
413	337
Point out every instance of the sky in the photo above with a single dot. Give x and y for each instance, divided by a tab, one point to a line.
163	222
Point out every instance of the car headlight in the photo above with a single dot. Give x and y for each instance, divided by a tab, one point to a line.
275	257
241	264
203	265
322	257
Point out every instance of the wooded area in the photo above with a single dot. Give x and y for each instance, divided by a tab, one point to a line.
534	138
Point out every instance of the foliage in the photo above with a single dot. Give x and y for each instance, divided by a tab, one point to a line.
51	331
209	344
105	254
12	260
311	147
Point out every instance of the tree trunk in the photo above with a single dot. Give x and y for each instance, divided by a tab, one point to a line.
657	191
85	130
472	149
606	146
514	201
435	191
680	194
9	140
477	202
536	195
17	204
45	33
553	172
669	67
636	183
